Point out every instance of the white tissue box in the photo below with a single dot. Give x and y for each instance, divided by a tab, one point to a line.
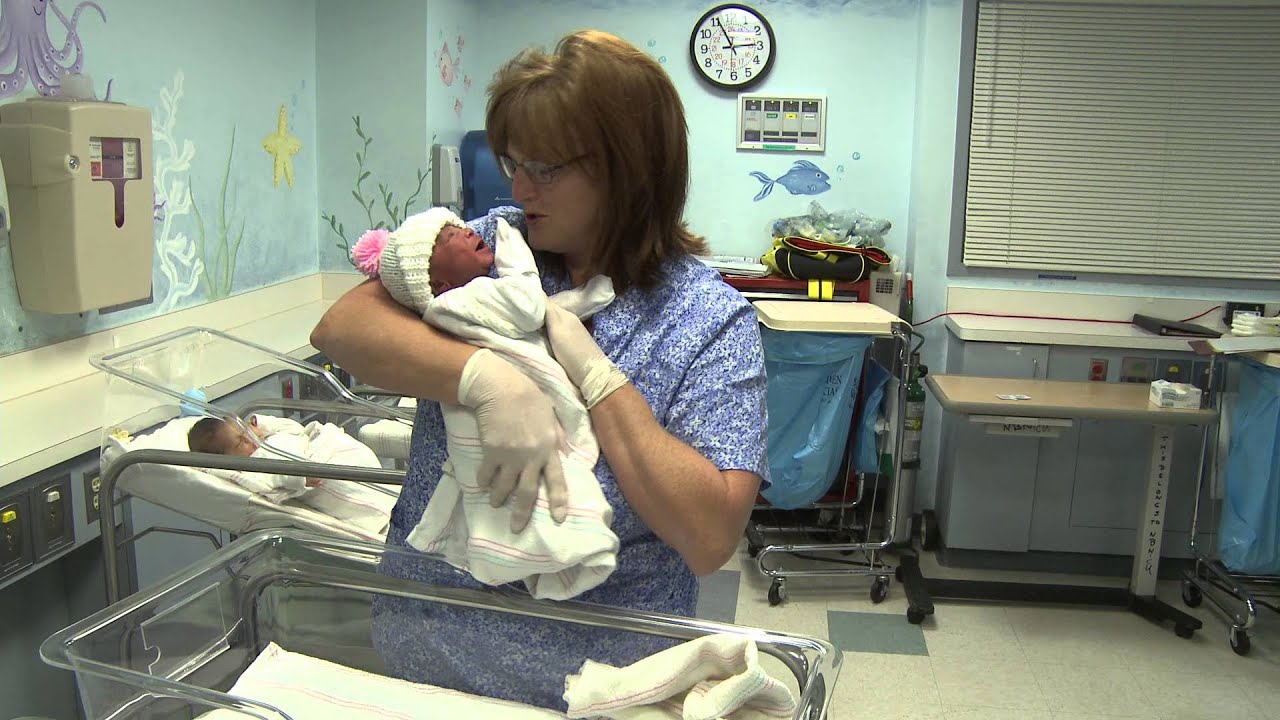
1175	395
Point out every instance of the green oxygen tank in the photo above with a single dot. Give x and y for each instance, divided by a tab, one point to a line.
913	422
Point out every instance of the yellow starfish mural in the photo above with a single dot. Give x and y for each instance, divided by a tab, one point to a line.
282	146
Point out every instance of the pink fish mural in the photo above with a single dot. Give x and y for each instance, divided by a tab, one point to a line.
466	82
448	66
457	107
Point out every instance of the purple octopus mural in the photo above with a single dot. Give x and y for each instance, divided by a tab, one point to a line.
28	54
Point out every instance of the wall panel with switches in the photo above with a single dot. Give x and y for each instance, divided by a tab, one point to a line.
15	535
51	517
789	123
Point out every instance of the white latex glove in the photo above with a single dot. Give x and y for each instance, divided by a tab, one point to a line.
519	437
586	365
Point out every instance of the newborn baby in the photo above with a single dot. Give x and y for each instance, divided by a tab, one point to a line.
438	267
360	505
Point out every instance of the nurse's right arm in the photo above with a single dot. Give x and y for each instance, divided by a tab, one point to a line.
383	343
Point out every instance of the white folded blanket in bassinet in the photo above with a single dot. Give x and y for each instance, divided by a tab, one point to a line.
308	688
717	676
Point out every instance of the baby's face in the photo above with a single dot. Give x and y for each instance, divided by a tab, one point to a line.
459	257
238	442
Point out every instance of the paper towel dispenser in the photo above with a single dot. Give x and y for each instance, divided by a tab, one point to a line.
81	202
446	178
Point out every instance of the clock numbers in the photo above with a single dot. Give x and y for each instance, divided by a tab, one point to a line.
732	46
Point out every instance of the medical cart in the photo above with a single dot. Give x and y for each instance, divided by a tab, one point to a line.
1236	594
846	499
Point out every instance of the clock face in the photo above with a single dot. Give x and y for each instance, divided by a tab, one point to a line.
732	47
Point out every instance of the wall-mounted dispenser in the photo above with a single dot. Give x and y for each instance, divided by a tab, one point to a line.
446	176
82	203
485	186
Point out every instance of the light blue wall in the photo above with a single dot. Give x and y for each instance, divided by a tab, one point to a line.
237	62
861	55
369	64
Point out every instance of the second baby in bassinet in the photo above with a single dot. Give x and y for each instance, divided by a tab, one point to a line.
365	507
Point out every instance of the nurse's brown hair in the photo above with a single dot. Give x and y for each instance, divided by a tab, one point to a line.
599	97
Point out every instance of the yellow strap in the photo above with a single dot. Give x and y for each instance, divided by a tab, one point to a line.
822	289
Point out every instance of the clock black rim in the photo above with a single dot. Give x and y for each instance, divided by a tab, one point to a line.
768	64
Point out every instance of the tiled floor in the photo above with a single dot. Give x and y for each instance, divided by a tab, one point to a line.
989	661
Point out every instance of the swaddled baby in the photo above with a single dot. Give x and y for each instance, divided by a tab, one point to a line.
439	268
357	504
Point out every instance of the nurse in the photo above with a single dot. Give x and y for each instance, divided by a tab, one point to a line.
594	139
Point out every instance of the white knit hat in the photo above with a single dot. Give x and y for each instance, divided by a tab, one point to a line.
406	260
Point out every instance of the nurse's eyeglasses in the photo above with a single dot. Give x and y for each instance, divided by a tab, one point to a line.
539	173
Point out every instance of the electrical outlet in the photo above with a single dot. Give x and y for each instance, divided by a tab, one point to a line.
92	484
1136	369
1228	315
1098	370
1179	371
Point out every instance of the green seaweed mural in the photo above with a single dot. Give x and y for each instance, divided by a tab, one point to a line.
219	271
395	213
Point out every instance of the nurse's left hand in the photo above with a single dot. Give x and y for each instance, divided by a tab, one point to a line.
583	361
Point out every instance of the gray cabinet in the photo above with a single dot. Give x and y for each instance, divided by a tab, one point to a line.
987	483
1080	492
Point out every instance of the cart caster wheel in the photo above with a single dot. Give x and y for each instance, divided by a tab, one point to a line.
1191	594
915	616
897	573
928	530
777	592
1240	641
1184	631
880	589
753	550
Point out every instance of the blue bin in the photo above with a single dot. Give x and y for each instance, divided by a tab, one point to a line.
813	387
1249	539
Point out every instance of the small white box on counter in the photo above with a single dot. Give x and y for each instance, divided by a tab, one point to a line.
1175	395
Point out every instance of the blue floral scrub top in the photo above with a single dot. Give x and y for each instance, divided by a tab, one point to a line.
692	347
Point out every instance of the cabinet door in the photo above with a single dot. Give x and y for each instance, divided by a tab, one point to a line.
1091	483
987	483
1002	360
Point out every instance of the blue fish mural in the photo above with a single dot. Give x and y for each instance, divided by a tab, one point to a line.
804	178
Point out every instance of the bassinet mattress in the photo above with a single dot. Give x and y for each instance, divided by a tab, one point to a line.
308	688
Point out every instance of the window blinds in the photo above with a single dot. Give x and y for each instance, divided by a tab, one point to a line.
1136	139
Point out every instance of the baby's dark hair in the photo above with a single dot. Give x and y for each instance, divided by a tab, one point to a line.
206	436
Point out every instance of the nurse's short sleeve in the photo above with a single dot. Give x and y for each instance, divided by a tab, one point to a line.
720	407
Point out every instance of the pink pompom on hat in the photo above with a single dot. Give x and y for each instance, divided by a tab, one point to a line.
402	258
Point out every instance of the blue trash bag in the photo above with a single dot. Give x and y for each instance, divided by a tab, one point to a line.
866	455
813	384
1249	539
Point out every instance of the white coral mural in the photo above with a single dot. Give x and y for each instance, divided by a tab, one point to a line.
179	262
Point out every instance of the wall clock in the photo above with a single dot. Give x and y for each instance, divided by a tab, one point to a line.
732	47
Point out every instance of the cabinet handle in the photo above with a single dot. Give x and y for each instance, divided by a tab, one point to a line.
1035	367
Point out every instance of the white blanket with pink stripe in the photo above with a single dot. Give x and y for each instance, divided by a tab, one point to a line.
363	505
555	561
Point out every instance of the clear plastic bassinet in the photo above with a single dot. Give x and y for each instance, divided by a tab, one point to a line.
156	390
199	371
175	649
